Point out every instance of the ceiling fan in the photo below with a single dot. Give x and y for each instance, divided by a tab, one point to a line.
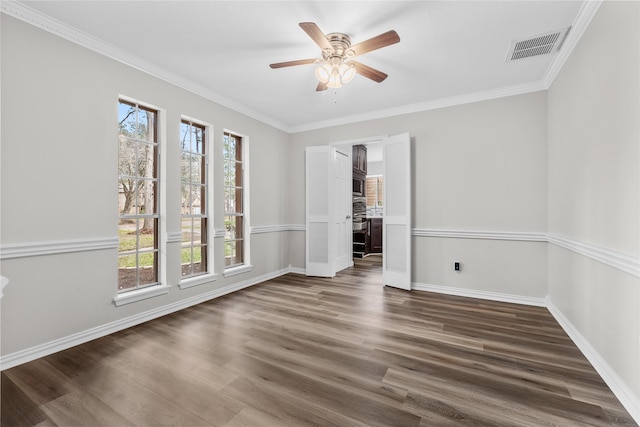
337	65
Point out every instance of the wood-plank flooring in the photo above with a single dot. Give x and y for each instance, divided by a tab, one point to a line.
298	351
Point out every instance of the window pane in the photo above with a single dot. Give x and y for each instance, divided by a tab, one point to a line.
146	200
195	200
184	136
229	228
126	119
186	261
229	253
146	125
127	236
229	173
238	227
196	168
185	168
236	179
185	191
187	230
229	147
127	272
197	140
229	200
147	262
127	150
199	259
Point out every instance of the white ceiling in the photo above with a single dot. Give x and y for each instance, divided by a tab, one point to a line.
449	51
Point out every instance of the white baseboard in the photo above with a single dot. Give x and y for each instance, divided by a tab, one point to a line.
471	293
627	398
32	353
297	270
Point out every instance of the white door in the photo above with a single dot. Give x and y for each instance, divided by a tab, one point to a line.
343	204
396	228
320	213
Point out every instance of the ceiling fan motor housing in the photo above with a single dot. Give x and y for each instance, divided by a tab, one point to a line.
340	43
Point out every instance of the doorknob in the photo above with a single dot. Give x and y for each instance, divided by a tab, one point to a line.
348	217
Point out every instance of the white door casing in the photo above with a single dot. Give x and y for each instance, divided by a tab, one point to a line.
396	228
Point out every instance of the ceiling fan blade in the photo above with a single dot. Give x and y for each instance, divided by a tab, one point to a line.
377	42
368	72
292	63
321	86
316	34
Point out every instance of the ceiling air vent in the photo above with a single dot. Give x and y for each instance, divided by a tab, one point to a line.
540	44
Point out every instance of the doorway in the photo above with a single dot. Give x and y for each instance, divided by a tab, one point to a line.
322	215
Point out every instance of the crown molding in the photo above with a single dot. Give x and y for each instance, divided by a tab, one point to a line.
580	24
435	104
33	17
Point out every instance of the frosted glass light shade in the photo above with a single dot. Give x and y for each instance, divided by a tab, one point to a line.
323	73
347	72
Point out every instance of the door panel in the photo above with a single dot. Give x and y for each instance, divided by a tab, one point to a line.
319	173
396	228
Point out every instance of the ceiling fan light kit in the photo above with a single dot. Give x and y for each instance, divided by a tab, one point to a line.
337	66
335	73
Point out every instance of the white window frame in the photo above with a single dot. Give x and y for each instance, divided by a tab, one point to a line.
246	228
160	288
210	275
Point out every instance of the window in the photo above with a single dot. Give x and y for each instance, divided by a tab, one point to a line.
374	191
234	214
194	199
138	196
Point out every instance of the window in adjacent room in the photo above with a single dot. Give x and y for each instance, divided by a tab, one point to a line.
194	210
137	196
374	191
234	197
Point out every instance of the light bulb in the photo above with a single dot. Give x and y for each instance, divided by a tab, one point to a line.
334	79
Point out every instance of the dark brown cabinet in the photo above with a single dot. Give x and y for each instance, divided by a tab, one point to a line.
361	242
375	238
359	159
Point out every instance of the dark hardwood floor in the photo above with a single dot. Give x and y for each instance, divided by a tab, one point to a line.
297	351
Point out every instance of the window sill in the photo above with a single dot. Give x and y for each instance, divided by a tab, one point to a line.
197	280
140	294
233	271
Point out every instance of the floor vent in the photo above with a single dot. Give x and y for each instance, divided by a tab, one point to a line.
540	44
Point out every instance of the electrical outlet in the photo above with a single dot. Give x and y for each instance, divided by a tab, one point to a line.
456	266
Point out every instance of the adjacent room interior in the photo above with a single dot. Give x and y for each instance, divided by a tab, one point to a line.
167	258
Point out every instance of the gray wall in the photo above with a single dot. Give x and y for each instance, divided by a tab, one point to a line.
594	186
59	185
479	167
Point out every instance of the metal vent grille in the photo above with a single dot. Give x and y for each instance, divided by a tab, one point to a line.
541	44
